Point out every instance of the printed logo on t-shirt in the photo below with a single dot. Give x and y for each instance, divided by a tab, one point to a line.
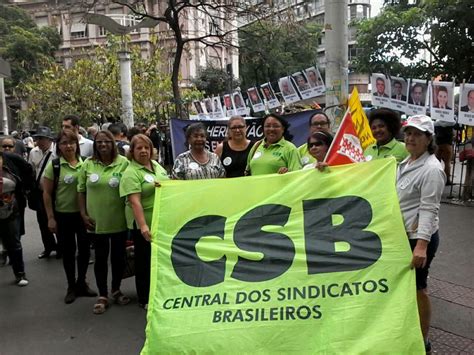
304	160
404	183
257	155
368	158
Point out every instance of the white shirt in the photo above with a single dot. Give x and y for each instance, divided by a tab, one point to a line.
37	156
86	146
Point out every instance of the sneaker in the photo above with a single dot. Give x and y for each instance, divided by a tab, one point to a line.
21	280
70	296
44	254
83	290
427	347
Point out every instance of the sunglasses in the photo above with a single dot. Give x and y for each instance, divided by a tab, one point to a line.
5	146
315	144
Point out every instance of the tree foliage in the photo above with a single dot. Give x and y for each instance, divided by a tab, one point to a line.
91	88
215	81
26	47
421	40
178	14
271	49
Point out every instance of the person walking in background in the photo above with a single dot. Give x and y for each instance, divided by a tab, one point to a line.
62	208
98	186
72	122
16	177
39	158
137	185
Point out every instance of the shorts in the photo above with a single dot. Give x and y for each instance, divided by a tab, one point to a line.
422	274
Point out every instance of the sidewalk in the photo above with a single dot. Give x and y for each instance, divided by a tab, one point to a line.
451	284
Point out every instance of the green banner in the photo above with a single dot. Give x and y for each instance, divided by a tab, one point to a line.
304	262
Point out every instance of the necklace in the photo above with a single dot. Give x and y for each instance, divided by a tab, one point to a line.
199	161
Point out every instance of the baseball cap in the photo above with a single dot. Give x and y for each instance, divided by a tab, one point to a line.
421	122
43	131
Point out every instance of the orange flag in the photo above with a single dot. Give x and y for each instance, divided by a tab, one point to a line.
346	147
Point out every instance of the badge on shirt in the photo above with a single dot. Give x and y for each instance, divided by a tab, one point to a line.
404	183
68	179
304	160
114	182
368	158
193	166
227	161
149	178
94	178
257	155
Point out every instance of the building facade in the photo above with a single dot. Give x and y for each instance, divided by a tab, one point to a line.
79	37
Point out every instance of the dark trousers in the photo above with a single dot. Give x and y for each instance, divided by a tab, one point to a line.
115	242
47	237
142	266
72	233
11	242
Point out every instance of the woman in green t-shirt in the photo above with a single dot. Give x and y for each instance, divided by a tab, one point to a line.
273	154
138	185
98	186
62	209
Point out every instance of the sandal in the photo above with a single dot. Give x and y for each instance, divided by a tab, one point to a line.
101	306
120	298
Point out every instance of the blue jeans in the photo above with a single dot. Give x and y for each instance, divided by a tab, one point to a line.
12	244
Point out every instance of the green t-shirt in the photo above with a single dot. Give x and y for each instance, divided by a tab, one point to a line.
138	179
101	184
306	157
393	148
66	191
267	160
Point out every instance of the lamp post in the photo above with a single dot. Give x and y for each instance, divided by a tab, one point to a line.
5	72
124	58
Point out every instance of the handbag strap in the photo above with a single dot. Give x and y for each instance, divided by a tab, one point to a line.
43	166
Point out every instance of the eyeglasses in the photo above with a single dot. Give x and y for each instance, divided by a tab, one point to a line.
315	144
318	124
103	142
272	126
235	128
6	146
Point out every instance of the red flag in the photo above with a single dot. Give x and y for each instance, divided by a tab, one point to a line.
346	147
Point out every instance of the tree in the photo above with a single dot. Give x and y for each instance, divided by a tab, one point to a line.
270	49
422	40
26	47
91	87
215	81
222	15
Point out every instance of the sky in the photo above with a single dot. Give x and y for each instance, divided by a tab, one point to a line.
376	6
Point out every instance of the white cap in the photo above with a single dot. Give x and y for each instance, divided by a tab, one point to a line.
421	122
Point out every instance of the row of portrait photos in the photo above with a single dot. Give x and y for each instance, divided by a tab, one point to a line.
299	86
414	96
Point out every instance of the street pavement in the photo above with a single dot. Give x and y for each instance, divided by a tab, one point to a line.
35	320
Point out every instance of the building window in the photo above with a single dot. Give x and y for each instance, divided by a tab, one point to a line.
102	31
78	30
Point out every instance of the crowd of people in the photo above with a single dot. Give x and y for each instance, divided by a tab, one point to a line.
75	176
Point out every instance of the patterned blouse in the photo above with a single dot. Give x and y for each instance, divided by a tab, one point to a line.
187	168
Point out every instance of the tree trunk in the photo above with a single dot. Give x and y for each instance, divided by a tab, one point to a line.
175	77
